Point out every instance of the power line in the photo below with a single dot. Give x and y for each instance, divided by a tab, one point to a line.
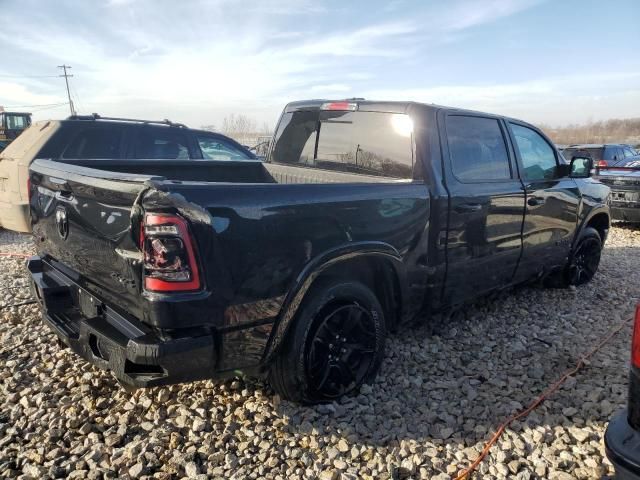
41	105
66	80
28	76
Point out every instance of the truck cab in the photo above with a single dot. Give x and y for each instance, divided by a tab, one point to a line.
11	125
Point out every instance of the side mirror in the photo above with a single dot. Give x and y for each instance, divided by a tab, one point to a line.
580	167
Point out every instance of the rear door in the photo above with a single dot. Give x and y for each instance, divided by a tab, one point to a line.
486	208
552	202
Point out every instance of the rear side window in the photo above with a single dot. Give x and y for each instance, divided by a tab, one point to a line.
538	158
161	143
371	143
94	143
477	149
214	148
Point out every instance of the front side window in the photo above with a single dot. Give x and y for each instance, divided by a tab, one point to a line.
161	143
371	143
214	148
96	143
538	158
477	149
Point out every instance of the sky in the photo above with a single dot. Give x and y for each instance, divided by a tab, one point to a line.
553	62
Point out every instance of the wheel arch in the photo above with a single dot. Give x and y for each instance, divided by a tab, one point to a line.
376	264
599	219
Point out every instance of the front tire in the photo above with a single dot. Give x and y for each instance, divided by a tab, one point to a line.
334	346
585	259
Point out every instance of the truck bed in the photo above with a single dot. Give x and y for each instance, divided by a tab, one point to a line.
245	171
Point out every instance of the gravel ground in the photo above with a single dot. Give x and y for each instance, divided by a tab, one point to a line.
442	391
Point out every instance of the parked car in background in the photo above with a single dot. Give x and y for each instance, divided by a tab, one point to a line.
623	178
622	438
296	268
603	155
92	138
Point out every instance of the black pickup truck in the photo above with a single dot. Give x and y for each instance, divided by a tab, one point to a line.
365	215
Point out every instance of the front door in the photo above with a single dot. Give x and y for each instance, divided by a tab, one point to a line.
552	202
486	209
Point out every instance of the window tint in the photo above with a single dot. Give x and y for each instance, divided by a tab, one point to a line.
477	149
96	142
214	148
372	143
538	158
161	143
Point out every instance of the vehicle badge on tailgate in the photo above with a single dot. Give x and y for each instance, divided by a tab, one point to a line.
62	222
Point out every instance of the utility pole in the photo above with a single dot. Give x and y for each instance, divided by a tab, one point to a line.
66	80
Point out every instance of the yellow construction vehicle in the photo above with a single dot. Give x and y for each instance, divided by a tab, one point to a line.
11	125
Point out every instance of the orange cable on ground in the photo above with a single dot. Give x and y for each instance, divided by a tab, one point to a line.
581	362
21	255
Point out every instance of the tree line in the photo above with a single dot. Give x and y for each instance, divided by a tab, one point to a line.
616	130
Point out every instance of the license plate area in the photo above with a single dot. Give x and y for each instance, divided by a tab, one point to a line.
89	306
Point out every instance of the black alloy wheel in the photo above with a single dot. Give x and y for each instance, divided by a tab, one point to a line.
335	344
341	351
585	260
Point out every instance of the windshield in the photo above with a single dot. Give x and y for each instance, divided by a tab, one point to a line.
372	143
16	122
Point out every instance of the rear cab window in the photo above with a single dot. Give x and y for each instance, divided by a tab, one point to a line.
354	141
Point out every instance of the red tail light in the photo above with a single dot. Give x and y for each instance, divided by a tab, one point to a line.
169	254
601	164
635	344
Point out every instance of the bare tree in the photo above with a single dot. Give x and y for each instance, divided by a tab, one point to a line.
608	131
238	125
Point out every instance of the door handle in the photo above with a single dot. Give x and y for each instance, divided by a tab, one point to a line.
468	207
535	201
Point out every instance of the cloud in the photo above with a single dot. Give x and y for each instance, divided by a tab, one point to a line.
197	61
553	100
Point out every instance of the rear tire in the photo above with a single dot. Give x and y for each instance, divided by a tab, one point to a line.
335	344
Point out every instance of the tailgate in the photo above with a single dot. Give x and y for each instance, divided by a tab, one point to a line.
82	222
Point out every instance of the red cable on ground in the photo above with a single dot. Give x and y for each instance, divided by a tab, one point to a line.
581	362
21	255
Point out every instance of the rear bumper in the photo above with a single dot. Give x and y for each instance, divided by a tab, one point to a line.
136	354
622	444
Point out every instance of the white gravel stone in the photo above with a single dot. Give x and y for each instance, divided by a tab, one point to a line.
442	391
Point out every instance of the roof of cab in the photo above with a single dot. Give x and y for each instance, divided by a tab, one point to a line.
389	106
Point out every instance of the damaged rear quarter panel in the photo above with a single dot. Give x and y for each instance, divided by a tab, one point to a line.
255	240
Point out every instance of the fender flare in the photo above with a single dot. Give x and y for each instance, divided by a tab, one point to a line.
602	208
313	269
